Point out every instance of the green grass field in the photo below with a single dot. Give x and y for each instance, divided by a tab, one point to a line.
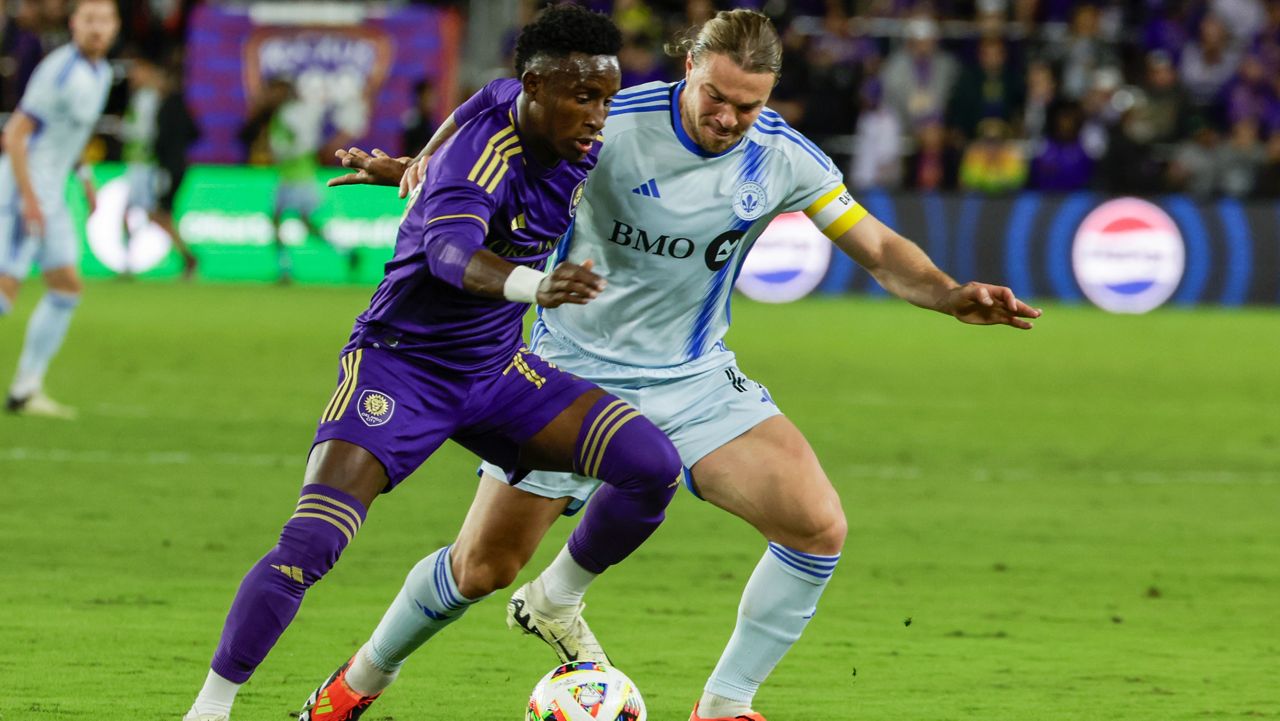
1080	522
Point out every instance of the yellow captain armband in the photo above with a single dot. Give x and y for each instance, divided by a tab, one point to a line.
835	212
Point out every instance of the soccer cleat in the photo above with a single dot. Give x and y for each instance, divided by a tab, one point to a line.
40	405
752	716
193	716
566	632
335	701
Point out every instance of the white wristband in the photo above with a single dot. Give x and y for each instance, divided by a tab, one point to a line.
522	284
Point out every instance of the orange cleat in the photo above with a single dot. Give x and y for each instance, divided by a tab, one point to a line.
335	701
753	716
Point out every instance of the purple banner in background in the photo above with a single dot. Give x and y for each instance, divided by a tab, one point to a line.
363	72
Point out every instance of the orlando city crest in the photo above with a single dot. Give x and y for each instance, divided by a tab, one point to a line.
376	407
749	200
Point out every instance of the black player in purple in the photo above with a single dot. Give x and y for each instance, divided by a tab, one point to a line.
438	355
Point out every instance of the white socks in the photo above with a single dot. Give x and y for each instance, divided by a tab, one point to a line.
429	601
45	331
215	697
780	598
565	582
365	678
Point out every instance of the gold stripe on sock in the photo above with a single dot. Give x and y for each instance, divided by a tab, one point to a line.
604	444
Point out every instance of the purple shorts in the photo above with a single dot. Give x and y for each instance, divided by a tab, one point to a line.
402	410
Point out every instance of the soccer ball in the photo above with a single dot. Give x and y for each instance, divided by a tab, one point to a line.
585	691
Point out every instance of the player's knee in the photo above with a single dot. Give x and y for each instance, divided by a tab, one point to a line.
821	531
480	574
66	283
641	458
9	287
310	548
830	538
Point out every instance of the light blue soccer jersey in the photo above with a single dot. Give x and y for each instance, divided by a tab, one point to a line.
65	97
668	225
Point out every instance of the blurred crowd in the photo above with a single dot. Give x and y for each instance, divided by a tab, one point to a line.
994	96
991	96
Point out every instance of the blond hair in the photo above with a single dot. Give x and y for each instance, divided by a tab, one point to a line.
746	37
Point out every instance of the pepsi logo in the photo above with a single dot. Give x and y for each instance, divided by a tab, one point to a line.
786	262
1128	256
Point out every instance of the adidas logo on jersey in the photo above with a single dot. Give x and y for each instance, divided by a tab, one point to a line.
649	189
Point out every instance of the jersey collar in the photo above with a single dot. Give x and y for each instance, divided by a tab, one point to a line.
682	136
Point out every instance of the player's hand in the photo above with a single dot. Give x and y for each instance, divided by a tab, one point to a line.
32	217
376	169
413	175
984	304
570	283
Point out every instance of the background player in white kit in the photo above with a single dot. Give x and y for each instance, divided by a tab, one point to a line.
43	140
689	176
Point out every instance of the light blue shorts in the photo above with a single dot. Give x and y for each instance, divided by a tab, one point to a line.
301	198
701	406
144	186
58	248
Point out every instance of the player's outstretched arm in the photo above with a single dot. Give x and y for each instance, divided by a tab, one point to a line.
906	271
379	168
491	276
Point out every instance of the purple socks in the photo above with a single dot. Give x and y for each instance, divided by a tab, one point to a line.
323	524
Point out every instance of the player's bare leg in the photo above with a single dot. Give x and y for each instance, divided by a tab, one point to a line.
771	478
341	482
283	261
164	219
9	287
46	330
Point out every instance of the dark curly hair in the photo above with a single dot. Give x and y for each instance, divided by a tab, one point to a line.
565	29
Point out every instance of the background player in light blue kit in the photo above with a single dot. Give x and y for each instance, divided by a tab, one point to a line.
43	141
692	174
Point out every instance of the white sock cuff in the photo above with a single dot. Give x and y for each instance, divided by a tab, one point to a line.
6	306
565	581
811	567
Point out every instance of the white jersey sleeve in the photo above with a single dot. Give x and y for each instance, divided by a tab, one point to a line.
65	98
668	225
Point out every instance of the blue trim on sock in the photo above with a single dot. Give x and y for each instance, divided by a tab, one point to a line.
5	306
62	300
444	588
821	570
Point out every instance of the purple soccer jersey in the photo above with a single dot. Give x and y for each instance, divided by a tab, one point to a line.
481	191
428	361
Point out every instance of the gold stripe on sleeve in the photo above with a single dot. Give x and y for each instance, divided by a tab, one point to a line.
462	215
482	161
495	159
502	169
